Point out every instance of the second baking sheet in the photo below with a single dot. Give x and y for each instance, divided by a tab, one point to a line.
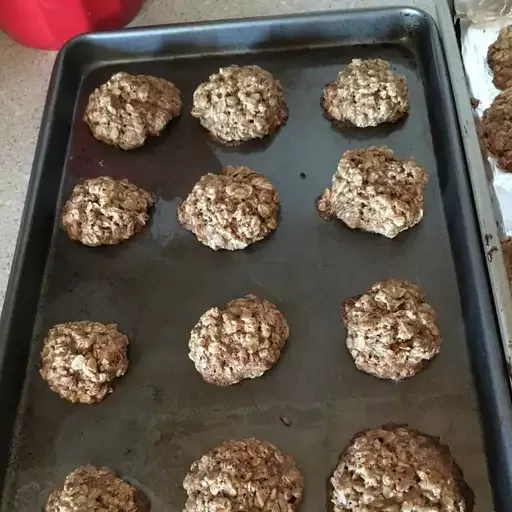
162	416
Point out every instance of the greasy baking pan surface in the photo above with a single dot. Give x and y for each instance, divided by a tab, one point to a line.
161	416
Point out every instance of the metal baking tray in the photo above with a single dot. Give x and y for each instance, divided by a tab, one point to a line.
162	416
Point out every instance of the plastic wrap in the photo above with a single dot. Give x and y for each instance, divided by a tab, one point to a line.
478	11
475	40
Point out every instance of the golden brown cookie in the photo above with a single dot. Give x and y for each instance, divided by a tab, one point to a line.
80	360
391	331
128	108
247	475
366	93
105	211
92	489
374	191
396	468
241	341
240	103
230	210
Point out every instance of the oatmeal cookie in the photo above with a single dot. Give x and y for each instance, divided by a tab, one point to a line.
238	104
244	475
129	108
506	247
80	360
496	129
92	489
241	341
391	330
105	211
230	210
365	94
499	58
374	191
395	468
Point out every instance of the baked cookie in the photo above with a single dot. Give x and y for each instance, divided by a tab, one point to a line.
241	341
499	58
129	108
240	103
230	210
92	489
244	475
506	247
105	211
397	469
374	191
391	331
496	129
80	360
366	93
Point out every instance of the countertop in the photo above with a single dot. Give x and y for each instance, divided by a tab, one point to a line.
24	79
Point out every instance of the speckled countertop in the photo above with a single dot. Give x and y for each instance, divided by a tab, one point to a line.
24	80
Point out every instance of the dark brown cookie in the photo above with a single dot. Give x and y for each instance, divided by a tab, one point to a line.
506	247
496	129
499	58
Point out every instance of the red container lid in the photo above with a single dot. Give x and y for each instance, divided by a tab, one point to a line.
48	24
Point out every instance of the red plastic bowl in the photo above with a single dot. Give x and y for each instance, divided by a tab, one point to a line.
48	24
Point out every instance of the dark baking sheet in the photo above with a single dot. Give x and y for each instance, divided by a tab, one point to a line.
161	416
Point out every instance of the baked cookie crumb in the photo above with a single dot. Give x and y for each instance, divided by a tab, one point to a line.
244	475
241	341
366	93
80	360
374	191
230	210
240	103
92	489
396	468
129	108
391	331
105	211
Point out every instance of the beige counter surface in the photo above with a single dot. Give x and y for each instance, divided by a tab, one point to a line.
24	79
